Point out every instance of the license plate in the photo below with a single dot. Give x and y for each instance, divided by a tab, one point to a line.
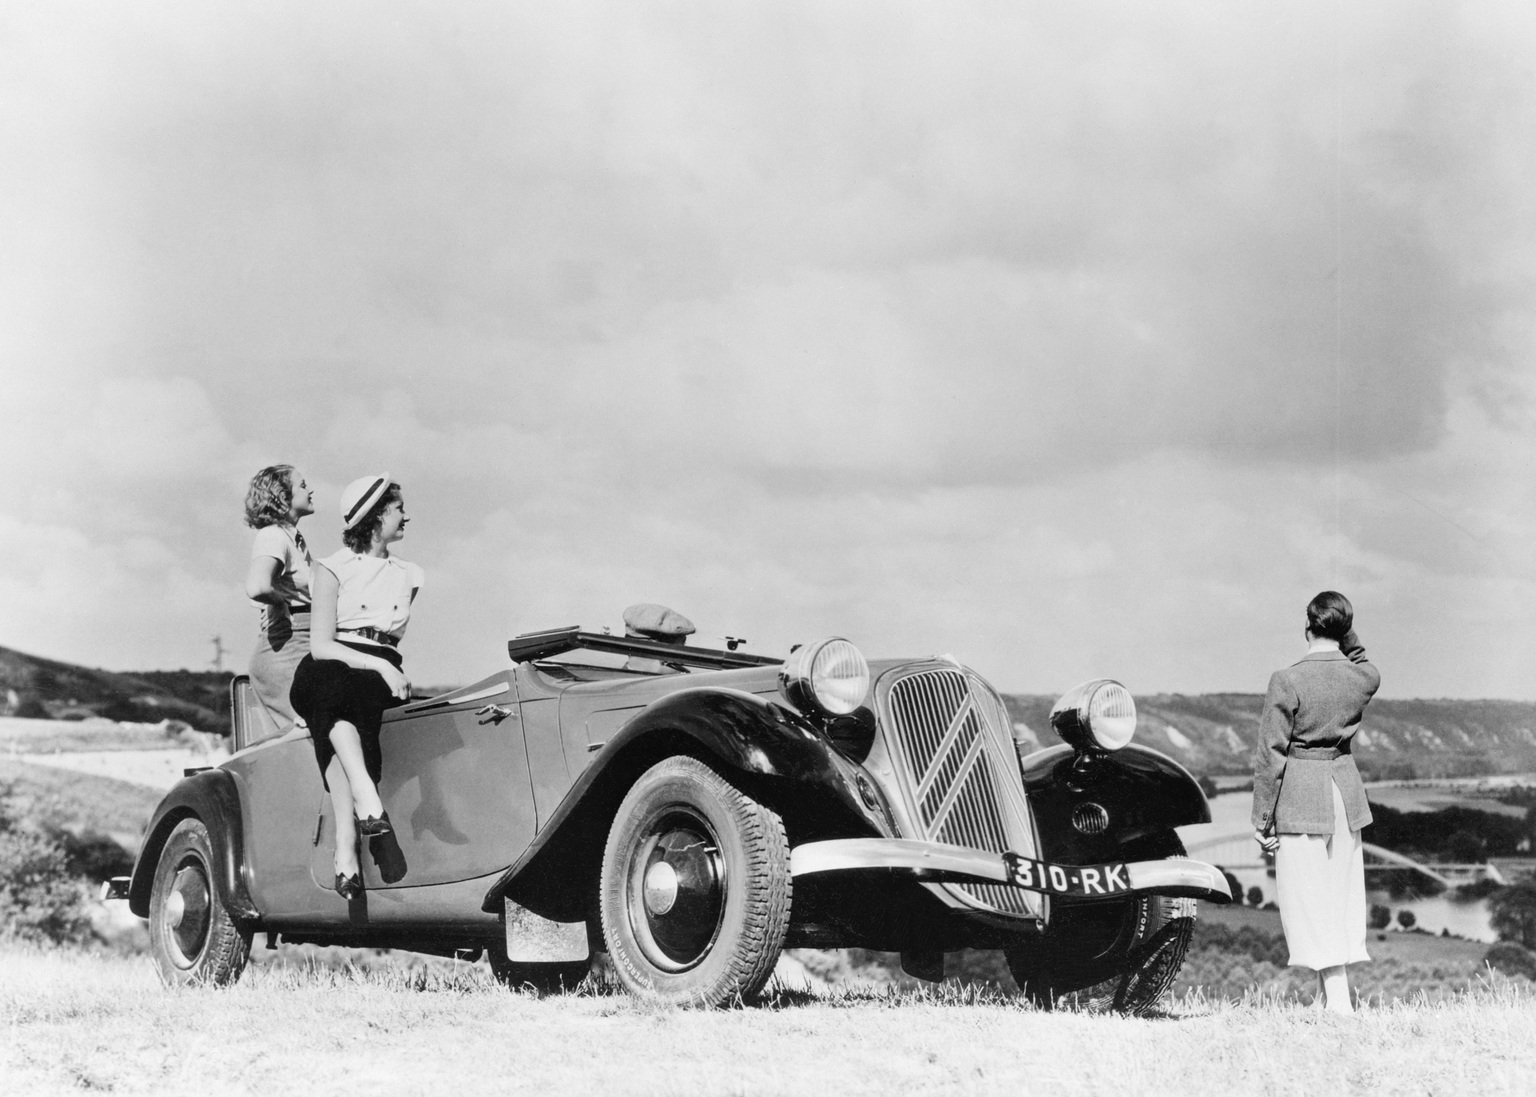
1082	880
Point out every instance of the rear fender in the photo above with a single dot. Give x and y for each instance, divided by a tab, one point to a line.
1143	793
772	752
213	797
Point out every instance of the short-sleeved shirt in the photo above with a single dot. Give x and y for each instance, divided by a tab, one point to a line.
373	591
282	543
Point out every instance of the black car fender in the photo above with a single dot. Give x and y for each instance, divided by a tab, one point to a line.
772	751
213	797
1089	806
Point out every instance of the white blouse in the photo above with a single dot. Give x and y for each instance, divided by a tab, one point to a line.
283	544
373	591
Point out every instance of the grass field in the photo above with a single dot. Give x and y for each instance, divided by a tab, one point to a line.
81	1022
80	801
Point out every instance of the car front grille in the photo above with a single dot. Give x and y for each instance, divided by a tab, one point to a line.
956	759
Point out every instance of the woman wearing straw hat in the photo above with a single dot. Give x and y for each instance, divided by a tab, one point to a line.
278	580
362	601
1309	804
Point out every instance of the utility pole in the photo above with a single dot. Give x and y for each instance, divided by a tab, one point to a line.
218	654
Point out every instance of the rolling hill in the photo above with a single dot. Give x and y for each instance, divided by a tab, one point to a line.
33	686
1213	733
1209	733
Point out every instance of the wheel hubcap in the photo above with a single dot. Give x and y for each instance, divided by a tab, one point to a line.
677	891
187	912
660	888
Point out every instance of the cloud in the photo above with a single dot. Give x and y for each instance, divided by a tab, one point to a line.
1069	338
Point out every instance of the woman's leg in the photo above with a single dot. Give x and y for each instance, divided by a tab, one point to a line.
349	752
346	826
1335	981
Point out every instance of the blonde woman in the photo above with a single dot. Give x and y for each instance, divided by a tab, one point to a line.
278	581
363	596
1309	804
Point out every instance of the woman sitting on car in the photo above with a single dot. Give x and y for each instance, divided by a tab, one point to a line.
362	601
278	580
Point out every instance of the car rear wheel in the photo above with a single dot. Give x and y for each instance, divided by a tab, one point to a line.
1120	956
191	934
695	886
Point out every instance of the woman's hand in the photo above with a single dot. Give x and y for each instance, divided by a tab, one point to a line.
398	683
1267	842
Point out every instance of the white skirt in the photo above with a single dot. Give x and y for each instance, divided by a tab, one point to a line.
1321	884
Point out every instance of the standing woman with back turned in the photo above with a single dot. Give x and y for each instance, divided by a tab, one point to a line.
353	673
1309	803
278	579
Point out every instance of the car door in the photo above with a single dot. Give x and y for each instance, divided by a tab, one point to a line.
456	785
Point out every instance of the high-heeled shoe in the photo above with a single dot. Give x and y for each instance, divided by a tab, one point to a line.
372	826
349	887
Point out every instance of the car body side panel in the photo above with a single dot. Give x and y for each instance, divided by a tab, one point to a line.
452	908
213	797
740	732
280	799
456	786
1143	792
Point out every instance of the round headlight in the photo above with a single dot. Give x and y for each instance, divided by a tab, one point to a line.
831	675
1097	715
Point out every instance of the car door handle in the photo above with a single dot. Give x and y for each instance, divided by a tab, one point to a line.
495	714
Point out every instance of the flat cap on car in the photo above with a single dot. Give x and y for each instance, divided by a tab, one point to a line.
657	622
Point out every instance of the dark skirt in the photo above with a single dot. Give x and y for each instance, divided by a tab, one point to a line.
326	691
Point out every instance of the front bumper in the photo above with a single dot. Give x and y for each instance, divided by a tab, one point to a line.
937	861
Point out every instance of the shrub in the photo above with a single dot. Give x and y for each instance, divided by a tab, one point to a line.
1511	959
39	899
1406	919
1255	896
1380	916
93	856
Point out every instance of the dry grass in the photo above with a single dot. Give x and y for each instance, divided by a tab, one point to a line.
75	1021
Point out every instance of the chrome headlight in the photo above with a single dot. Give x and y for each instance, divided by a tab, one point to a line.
1097	715
830	675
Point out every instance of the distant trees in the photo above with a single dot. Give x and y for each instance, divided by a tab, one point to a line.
1464	846
1235	886
1513	913
32	709
1451	834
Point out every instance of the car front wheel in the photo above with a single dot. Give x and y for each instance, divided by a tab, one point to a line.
695	887
191	934
1122	956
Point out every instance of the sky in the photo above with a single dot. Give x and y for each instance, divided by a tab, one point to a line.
1071	340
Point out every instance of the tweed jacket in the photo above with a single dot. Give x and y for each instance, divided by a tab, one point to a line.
1315	705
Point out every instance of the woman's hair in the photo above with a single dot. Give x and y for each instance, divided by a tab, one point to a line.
1330	615
360	536
268	499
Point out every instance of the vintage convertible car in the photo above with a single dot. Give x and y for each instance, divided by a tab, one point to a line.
693	812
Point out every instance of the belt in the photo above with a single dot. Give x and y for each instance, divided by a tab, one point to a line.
377	635
1317	754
